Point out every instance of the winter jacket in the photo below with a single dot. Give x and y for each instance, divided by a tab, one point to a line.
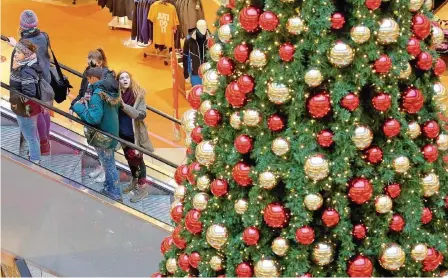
24	79
188	14
85	83
194	53
102	110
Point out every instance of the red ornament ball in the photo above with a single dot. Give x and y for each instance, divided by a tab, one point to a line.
433	259
184	262
374	155
246	83
177	239
243	144
426	216
189	151
225	19
176	213
325	138
350	102
275	215
196	135
360	192
424	61
241	53
305	275
330	217
446	201
286	52
225	66
156	275
431	129
166	244
234	95
219	187
391	128
212	117
397	223
359	231
360	267
181	174
439	67
276	123
305	235
231	4
251	236
430	153
393	190
412	100
194	259
373	4
319	105
413	47
383	64
244	270
337	21
193	168
192	222
382	102
249	17
210	43
268	21
240	174
421	26
194	97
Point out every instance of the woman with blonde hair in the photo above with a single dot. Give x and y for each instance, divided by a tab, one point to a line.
133	129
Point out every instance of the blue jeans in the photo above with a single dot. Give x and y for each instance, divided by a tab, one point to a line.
107	159
28	127
195	80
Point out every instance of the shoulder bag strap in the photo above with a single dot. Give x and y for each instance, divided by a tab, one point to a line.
58	68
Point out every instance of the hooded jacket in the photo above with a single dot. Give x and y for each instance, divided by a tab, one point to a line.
102	110
107	74
195	51
25	79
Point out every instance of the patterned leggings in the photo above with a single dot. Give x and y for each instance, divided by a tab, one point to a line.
135	159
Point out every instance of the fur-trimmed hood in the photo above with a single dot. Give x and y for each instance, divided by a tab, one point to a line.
108	90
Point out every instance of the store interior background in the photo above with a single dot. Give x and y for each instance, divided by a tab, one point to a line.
76	29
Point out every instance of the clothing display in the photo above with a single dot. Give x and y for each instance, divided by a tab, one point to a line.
195	49
141	26
119	8
189	11
164	18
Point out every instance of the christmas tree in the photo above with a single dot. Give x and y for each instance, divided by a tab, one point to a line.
316	147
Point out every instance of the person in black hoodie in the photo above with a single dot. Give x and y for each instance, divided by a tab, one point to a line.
195	49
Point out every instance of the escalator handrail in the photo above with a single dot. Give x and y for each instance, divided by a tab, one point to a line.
150	108
77	120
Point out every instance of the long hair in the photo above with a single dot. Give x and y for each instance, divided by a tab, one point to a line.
134	87
99	55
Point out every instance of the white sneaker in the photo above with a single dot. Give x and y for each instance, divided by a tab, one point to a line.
97	172
101	178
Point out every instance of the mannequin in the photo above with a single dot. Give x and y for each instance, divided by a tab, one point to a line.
195	52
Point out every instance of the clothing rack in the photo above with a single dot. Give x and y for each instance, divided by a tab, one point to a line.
120	23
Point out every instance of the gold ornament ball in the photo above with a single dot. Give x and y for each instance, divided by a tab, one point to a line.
313	201
430	184
258	58
280	146
205	153
217	236
278	93
419	252
313	77
414	130
323	253
205	106
203	183
383	204
171	265
287	1
440	93
406	72
215	53
295	25
442	142
251	117
317	167
429	4
235	120
388	32
267	180
179	192
360	34
401	164
188	141
362	137
437	36
266	268
200	201
205	66
280	246
210	82
189	120
225	33
415	5
241	206
392	257
341	55
216	263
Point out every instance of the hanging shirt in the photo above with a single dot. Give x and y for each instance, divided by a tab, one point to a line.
164	18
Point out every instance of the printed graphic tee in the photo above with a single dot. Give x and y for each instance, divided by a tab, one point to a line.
164	18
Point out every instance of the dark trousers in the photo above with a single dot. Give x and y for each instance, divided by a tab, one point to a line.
135	159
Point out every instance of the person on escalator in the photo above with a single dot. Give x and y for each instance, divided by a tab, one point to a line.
133	129
101	110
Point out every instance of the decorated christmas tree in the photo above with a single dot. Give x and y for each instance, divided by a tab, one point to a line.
315	145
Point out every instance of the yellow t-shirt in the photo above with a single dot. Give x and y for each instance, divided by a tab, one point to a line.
164	19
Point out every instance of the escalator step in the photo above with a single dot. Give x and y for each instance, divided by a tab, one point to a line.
10	138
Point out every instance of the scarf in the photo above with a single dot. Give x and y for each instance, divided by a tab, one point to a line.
128	97
30	57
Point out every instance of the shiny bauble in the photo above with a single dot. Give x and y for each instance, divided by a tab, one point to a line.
243	144
428	4
196	135
275	215
280	146
323	253
258	58
414	130
430	153
419	252
251	236
421	26
437	37
383	64
241	174
268	21
414	47
350	102
210	82
383	204
393	190
203	183
192	222
194	97
184	262
440	93
235	120
397	223
430	184
278	93
217	236
166	244
249	17
231	4
313	77
392	257
244	270
156	275
205	106
295	25
319	105
241	53
188	142
225	19
286	52
280	246
442	142
316	167
200	201
382	102
325	138
341	54
225	66
276	123
267	180
439	67
205	153
241	206
266	268
215	53
219	187
194	259
406	72
401	164
305	235
179	192
171	265
189	120
360	266
373	4
362	137
431	129
251	117
360	190
212	117
178	241
225	33
360	34
193	169
391	128
388	32
216	263
412	100
337	21
359	231
177	212
181	174
424	60
330	217
234	96
415	5
246	83
313	201
432	261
